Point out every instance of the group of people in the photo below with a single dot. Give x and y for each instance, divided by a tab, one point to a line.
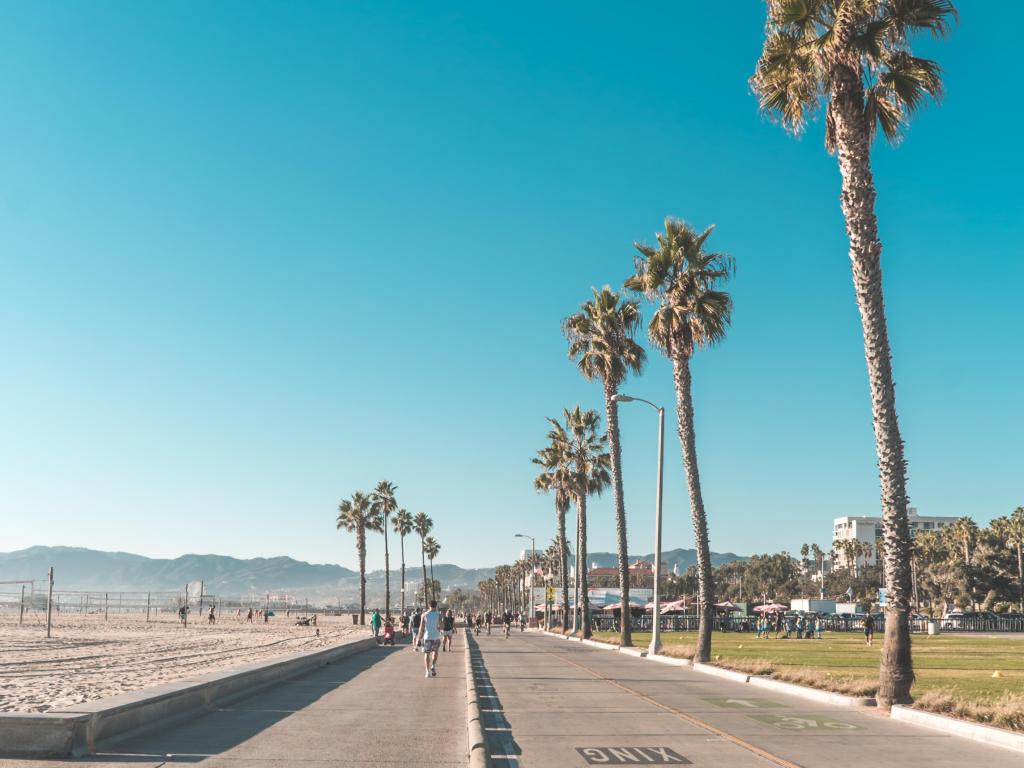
431	631
802	626
484	620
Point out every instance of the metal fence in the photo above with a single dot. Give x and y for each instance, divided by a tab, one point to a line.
689	623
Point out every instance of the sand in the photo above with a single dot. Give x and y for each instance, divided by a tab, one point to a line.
89	658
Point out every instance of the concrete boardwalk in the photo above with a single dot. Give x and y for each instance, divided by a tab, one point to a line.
372	709
548	699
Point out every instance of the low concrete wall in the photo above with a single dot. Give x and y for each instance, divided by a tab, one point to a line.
74	731
728	674
476	740
812	694
965	729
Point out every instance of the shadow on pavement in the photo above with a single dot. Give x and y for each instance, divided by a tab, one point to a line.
501	745
213	732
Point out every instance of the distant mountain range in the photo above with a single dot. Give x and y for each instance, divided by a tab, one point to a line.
76	568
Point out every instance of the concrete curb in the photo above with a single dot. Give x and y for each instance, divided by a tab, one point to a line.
813	694
671	660
986	734
640	653
599	644
476	742
728	674
74	731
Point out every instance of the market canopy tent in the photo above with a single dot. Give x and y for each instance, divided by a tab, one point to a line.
728	605
771	607
676	606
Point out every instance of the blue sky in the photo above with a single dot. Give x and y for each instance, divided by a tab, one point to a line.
254	257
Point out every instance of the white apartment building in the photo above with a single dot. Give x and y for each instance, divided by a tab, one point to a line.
868	529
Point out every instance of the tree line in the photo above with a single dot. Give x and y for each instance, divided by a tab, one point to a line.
853	62
372	512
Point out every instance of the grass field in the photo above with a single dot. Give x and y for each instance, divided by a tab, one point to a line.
954	672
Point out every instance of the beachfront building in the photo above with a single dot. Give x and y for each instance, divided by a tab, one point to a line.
869	529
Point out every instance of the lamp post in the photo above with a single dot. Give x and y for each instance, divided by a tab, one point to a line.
655	646
533	561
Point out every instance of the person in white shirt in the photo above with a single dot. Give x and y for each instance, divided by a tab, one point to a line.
430	635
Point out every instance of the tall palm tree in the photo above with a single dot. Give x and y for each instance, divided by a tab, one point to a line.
383	503
356	516
555	479
1015	539
854	59
692	313
964	535
432	548
583	450
601	342
403	527
422	524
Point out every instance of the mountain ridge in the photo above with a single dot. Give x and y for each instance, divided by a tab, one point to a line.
81	568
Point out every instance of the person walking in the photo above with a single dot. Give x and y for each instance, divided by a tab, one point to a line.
375	622
869	629
447	630
430	635
506	623
487	621
416	620
403	622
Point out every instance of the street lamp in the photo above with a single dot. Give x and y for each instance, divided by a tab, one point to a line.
655	646
533	561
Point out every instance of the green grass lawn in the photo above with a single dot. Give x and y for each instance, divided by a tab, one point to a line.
961	665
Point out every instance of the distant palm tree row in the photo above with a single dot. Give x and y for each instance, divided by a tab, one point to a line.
371	512
853	61
683	280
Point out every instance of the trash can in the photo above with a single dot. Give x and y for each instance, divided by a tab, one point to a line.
933	628
355	618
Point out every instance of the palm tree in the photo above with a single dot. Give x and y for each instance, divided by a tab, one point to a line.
964	534
582	449
692	314
601	342
356	516
402	524
555	479
431	548
383	503
422	525
854	60
1015	539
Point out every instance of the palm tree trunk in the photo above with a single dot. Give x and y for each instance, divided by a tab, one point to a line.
1020	575
564	569
688	441
432	579
423	559
611	409
581	504
858	203
361	547
576	577
401	539
387	573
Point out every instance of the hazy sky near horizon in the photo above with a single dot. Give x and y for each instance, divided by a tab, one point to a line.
255	257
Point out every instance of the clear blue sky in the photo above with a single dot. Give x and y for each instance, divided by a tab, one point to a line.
256	257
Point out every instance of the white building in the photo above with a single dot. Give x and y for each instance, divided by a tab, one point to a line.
869	529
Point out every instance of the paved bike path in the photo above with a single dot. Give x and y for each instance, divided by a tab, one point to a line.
551	702
372	709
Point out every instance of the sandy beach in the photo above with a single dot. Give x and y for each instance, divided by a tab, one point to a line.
89	658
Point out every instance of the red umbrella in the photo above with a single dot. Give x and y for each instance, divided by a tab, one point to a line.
728	605
770	608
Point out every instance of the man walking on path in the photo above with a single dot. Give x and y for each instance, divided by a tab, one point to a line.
375	623
416	620
430	634
447	630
